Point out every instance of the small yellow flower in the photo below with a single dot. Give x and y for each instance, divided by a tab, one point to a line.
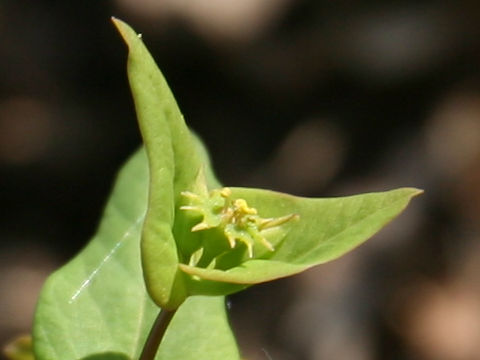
238	221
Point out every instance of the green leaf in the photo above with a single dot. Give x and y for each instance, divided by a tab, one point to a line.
96	307
325	230
173	163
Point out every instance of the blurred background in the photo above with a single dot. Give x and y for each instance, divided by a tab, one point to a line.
311	97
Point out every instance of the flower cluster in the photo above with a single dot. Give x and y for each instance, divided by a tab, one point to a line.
238	221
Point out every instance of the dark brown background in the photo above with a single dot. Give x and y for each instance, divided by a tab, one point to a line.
316	98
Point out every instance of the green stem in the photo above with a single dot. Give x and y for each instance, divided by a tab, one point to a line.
156	334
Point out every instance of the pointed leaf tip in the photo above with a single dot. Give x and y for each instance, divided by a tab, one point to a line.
127	33
416	192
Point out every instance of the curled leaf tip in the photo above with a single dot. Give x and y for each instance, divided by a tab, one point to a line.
127	33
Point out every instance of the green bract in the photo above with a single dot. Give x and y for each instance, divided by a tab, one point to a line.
201	239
